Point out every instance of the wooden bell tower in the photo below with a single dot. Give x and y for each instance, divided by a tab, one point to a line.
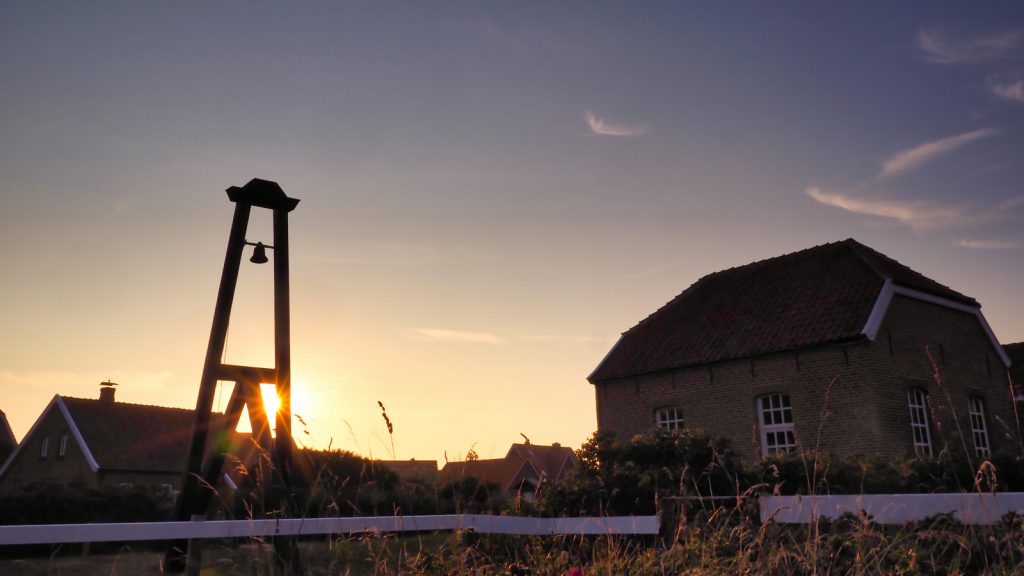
206	466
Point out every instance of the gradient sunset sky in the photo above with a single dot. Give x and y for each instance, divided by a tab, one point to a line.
491	192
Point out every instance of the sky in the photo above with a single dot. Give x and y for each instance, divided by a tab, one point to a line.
491	192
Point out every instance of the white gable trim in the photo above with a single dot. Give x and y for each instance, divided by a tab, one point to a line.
58	401
889	289
78	435
878	311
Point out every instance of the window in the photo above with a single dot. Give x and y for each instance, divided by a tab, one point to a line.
669	418
44	448
976	409
776	418
62	446
917	401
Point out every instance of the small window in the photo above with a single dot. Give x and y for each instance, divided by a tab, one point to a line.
669	418
62	446
44	448
776	419
920	426
976	409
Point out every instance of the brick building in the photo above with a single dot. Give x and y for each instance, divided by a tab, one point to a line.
837	348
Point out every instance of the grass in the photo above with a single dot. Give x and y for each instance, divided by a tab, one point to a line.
716	541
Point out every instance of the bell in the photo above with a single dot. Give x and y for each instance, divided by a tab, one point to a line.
259	254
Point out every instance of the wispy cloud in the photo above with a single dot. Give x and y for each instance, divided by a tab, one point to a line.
565	338
1008	89
444	335
602	127
937	48
912	158
989	244
919	215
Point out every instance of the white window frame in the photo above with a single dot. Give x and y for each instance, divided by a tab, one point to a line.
920	422
979	429
669	418
62	446
775	419
44	448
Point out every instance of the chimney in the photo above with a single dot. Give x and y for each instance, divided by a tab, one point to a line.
107	392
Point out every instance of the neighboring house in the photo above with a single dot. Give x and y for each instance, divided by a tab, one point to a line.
838	348
104	443
551	462
523	469
425	470
7	441
1016	353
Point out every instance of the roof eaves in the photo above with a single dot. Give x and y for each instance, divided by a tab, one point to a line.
750	356
600	364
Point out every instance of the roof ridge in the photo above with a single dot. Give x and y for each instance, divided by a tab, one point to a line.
120	403
734	269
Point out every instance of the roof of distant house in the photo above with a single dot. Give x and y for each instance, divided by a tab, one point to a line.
551	461
7	440
408	469
820	295
500	471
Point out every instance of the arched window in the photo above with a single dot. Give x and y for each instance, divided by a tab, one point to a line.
920	424
979	430
669	418
775	414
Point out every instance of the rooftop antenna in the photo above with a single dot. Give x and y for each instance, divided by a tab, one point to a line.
204	470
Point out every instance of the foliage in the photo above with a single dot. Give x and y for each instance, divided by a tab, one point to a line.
616	478
51	503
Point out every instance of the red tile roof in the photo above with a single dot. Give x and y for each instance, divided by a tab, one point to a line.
819	295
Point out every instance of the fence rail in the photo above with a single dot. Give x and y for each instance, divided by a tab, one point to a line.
484	524
969	508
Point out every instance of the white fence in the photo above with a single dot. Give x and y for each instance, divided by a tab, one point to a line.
484	524
893	508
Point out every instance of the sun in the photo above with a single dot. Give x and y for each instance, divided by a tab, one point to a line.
271	403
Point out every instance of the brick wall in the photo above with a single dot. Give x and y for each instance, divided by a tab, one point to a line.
846	398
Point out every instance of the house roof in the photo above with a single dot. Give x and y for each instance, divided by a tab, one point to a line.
126	436
550	461
1016	353
409	469
500	471
7	440
820	295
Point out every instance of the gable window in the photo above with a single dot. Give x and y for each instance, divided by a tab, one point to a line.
669	418
776	418
44	448
976	410
62	446
917	402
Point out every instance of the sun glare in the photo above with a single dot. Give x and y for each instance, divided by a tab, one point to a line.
270	402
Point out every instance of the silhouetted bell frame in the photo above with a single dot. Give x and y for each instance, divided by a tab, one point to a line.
259	253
